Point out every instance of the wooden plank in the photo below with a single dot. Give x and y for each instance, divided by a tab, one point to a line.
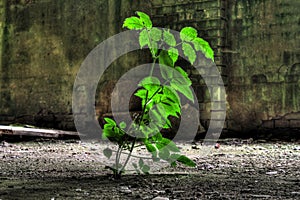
35	132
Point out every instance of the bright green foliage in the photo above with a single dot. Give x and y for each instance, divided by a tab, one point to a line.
203	46
165	59
173	54
160	98
144	38
189	52
155	34
188	34
169	38
145	19
107	152
133	23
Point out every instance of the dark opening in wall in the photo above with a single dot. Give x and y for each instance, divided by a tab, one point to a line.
259	78
294	74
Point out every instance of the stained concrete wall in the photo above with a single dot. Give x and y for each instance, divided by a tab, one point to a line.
264	84
256	46
42	46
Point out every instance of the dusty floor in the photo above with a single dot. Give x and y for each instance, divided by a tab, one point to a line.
75	170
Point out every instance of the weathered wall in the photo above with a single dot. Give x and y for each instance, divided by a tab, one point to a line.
209	18
42	46
264	84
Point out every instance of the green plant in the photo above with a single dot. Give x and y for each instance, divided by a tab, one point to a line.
159	100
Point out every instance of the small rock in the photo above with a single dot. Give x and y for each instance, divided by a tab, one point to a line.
271	173
295	193
261	196
5	144
168	191
160	198
159	192
217	145
125	189
93	149
297	148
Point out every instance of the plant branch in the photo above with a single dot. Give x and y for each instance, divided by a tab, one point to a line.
135	156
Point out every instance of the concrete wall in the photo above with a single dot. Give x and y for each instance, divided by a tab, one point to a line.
264	84
42	46
209	18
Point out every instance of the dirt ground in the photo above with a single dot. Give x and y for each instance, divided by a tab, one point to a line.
75	170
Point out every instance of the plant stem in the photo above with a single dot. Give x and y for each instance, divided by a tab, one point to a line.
118	154
153	65
129	155
136	156
134	140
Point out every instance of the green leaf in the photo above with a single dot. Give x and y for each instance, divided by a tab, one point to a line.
166	72
143	38
185	160
164	153
157	137
150	147
136	168
173	53
141	163
150	80
168	106
155	129
204	47
133	23
188	34
142	93
173	164
107	152
199	43
146	131
122	125
110	121
153	91
169	38
181	80
171	94
174	156
153	95
184	79
134	165
172	146
145	169
181	71
184	89
170	109
169	144
156	118
145	19
155	158
154	48
189	52
165	59
168	124
155	34
108	131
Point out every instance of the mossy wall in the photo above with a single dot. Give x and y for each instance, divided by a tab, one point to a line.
43	44
256	43
264	84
